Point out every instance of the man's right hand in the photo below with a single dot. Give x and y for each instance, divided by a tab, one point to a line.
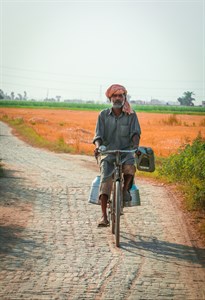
96	153
97	145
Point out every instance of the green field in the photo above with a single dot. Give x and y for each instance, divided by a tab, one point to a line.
197	110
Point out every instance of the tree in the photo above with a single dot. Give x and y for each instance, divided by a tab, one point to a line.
20	97
58	98
25	95
187	99
12	96
1	94
7	97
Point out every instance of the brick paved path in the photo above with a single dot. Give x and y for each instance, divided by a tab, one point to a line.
51	248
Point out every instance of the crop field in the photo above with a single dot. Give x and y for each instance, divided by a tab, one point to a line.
97	106
164	132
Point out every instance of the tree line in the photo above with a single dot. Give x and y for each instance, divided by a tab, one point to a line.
12	96
186	99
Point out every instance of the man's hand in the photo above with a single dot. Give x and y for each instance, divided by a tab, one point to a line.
96	153
97	145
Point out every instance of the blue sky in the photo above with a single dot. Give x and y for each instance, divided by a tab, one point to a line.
76	49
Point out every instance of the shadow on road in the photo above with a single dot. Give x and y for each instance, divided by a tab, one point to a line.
15	209
164	249
16	249
10	238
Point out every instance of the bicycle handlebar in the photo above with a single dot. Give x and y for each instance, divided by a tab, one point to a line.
102	150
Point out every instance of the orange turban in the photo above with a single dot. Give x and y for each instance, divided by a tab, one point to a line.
115	88
120	89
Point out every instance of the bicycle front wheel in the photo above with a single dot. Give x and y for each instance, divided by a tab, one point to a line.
117	212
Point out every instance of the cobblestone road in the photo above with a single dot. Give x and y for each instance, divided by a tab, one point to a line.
55	250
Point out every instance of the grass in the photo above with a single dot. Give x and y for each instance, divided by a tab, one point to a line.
187	170
195	110
172	121
34	139
202	123
187	167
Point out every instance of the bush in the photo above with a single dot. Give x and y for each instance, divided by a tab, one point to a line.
172	121
188	168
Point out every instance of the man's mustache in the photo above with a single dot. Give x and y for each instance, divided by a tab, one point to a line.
118	104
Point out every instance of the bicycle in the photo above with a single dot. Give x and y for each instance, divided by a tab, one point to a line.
115	204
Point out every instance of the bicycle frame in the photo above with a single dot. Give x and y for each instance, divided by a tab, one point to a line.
115	204
116	201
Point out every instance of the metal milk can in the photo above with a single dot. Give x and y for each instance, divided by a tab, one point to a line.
94	191
134	192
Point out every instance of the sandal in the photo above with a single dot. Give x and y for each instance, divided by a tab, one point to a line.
103	223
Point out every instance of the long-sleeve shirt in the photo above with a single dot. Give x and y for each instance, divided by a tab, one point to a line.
116	132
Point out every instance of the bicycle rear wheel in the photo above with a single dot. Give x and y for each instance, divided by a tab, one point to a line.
117	212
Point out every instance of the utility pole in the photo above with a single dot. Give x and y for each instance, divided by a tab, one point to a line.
47	94
100	95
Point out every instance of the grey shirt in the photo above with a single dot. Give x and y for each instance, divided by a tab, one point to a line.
116	132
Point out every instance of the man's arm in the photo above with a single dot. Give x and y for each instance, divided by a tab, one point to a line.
136	140
135	130
99	132
97	142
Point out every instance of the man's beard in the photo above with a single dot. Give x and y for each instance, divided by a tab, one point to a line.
118	104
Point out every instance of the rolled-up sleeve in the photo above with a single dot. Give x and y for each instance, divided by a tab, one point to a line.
99	130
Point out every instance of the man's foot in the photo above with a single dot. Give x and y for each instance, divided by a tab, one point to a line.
103	222
126	196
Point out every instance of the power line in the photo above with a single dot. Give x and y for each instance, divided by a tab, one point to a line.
52	80
97	85
44	87
94	76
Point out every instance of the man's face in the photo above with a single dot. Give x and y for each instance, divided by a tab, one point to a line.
118	100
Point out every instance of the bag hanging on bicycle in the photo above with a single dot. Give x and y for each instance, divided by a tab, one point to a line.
145	159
